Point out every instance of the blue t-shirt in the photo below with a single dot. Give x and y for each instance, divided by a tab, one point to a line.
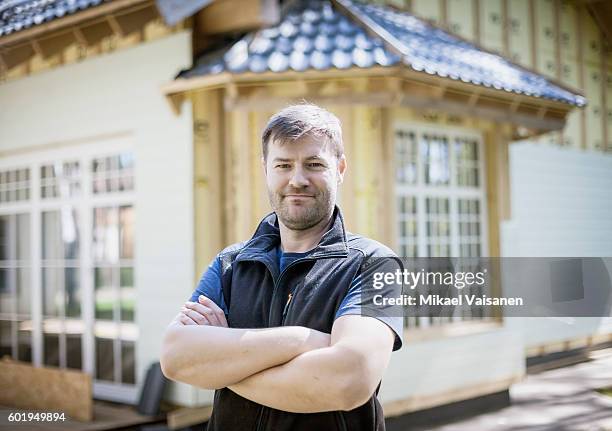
210	286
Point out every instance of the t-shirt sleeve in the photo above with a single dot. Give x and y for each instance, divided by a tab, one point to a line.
352	304
210	285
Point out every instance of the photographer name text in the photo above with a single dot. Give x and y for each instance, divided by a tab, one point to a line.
439	300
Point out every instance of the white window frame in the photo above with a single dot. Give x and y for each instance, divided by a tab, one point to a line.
84	204
453	191
421	191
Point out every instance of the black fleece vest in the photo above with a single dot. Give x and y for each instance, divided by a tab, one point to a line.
256	296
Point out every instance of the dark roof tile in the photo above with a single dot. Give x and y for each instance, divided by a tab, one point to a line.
18	15
315	35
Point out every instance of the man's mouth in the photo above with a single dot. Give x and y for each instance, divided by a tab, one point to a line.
299	196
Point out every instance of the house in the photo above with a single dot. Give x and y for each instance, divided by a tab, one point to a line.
130	154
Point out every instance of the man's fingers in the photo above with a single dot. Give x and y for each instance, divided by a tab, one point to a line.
185	320
204	311
207	302
196	317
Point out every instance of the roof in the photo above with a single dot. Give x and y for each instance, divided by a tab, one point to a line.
319	35
310	36
17	15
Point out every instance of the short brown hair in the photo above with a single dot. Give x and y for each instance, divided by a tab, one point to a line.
305	119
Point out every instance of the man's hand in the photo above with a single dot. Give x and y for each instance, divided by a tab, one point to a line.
203	312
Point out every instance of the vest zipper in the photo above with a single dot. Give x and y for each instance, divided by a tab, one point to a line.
286	308
292	294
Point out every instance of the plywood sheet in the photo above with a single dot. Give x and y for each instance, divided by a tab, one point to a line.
50	389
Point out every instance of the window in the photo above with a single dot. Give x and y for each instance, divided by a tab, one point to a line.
113	237
15	289
14	185
67	241
441	197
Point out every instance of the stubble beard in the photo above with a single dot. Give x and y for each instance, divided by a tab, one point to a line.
310	214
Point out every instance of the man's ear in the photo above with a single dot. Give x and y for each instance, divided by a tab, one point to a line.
341	168
263	165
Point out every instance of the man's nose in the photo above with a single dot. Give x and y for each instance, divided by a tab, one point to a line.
298	178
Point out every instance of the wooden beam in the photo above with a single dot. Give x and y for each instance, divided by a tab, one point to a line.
18	55
272	103
495	114
473	99
114	25
55	44
176	102
78	34
541	112
221	16
133	22
514	105
71	20
94	33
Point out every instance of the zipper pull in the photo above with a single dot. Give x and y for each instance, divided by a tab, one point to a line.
287	304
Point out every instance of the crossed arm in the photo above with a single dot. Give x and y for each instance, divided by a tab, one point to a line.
294	369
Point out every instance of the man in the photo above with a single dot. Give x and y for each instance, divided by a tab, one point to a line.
275	324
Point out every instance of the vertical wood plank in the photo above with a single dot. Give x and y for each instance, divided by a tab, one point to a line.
208	174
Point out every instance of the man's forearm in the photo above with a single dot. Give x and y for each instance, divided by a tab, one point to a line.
320	380
213	357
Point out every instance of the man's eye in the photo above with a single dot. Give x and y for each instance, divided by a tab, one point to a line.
316	165
283	166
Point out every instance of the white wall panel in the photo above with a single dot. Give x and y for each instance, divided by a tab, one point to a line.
561	200
445	365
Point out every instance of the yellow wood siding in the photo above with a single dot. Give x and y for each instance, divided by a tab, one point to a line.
461	18
569	31
591	39
428	9
594	117
209	199
491	25
519	32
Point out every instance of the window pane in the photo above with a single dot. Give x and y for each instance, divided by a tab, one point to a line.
105	359
60	235
24	340
106	235
5	252
73	351
106	296
128	372
73	292
128	298
6	338
113	173
406	158
24	298
469	227
435	159
23	236
51	236
126	232
52	291
51	349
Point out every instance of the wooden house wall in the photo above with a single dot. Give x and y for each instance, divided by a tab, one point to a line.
231	194
558	38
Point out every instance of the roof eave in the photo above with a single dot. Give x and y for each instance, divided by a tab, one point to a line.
68	21
407	87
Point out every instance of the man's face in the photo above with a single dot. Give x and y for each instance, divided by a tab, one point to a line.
302	179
